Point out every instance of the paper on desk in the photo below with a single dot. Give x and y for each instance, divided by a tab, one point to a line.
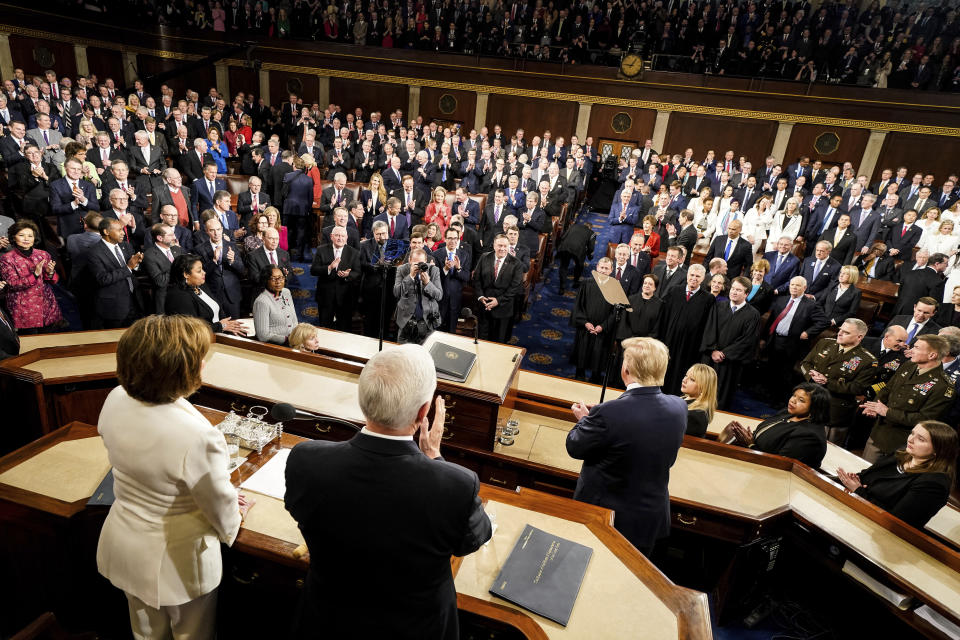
269	479
943	625
899	600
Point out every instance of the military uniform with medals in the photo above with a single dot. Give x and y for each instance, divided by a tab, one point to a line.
911	397
850	373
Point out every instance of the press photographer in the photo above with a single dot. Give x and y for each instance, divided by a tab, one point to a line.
418	292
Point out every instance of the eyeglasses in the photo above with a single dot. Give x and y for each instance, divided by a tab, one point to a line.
276	278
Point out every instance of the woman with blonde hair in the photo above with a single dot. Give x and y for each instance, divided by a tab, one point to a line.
311	169
273	218
699	389
930	221
374	197
785	223
757	221
940	238
437	211
304	337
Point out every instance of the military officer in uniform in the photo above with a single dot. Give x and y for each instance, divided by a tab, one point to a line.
918	391
846	370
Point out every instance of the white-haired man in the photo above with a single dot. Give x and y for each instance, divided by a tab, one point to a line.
408	511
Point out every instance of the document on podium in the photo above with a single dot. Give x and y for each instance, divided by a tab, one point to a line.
543	574
270	479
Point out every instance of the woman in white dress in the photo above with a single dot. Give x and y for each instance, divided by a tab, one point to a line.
940	239
757	222
722	204
785	223
700	211
953	214
929	222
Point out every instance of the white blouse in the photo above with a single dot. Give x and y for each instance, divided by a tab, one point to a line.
783	226
210	302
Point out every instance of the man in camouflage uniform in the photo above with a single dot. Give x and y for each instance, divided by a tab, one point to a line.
918	391
846	369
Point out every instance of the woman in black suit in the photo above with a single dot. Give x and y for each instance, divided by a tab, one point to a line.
699	389
914	483
842	300
843	239
760	295
799	432
188	295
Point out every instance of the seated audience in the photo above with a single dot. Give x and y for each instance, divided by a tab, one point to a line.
304	337
699	389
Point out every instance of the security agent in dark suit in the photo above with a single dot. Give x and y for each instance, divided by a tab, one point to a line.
919	283
670	271
71	198
254	199
733	248
577	244
820	270
411	512
223	266
629	444
112	264
337	268
158	255
497	282
454	263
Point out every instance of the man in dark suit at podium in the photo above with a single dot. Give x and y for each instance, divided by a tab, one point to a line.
409	514
629	444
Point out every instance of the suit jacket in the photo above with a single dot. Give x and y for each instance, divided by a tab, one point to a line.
258	260
779	280
930	328
224	277
868	229
400	229
621	232
452	282
432	511
628	446
115	283
741	256
190	166
9	341
844	250
904	242
327	204
912	497
490	228
420	202
405	291
200	197
55	156
827	277
530	231
679	278
10	151
332	289
914	285
71	220
839	309
94	157
157	267
883	269
138	203
808	318
188	466
184	302
687	238
158	162
506	287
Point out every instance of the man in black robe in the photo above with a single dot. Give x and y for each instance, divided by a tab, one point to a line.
594	321
730	339
682	321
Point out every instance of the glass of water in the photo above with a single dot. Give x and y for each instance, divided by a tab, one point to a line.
233	450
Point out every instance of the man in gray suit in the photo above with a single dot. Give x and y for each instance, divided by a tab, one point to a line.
48	140
418	294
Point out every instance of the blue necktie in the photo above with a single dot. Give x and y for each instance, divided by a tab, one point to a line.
912	332
826	219
726	254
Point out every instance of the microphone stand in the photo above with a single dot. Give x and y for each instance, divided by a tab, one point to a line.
618	313
381	268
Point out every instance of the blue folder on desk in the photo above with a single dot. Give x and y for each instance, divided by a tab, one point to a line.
543	574
103	496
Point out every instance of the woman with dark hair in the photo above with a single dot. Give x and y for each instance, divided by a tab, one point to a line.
160	543
28	273
273	314
188	295
254	240
799	432
914	483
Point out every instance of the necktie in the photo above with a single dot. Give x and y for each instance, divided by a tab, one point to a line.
46	138
513	251
726	253
393	225
253	202
210	186
273	258
619	272
105	158
496	214
633	259
119	253
826	219
913	331
816	269
783	314
123	186
169	255
496	269
903	231
779	263
688	295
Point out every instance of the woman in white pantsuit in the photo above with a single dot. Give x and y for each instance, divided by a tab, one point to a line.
174	504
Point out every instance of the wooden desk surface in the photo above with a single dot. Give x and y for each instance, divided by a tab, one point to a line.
69	339
878	290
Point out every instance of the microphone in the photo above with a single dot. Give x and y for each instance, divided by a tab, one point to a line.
466	313
284	411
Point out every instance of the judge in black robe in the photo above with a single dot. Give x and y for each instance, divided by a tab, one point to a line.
681	325
591	311
734	335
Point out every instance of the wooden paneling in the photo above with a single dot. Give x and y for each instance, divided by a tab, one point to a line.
105	63
802	140
923	154
246	80
283	83
29	55
370	96
750	138
430	106
534	116
199	80
601	123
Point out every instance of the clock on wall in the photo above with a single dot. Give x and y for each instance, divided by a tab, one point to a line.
631	65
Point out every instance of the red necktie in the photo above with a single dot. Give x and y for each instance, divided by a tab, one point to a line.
273	259
783	314
496	269
688	295
634	260
903	232
393	225
620	272
254	202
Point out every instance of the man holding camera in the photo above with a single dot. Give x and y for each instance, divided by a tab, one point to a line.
418	293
